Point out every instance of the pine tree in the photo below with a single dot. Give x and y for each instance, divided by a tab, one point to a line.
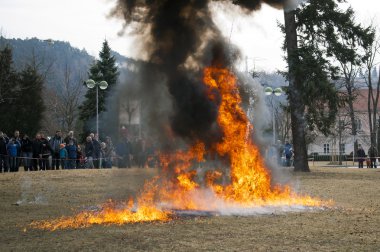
104	69
30	105
21	103
8	91
318	34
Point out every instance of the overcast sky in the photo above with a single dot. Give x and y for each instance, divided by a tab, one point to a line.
84	24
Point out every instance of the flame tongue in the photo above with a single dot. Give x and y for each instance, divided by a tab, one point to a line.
250	179
181	188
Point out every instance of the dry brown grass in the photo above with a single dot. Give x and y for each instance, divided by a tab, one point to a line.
353	226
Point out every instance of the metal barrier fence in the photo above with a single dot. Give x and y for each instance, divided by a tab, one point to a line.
337	159
9	163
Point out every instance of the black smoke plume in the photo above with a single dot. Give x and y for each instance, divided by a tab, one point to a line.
182	40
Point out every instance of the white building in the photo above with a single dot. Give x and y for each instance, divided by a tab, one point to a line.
342	134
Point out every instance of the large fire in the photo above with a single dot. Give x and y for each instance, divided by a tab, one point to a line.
193	180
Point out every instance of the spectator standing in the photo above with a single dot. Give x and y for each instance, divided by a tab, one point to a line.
129	153
55	143
102	156
13	147
151	158
124	153
97	149
89	152
72	152
44	154
140	153
63	156
16	137
361	156
27	152
36	147
3	152
280	152
70	137
372	154
288	150
109	152
80	158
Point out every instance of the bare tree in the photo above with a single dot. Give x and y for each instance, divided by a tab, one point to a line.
349	68
373	95
130	107
283	122
62	103
350	73
40	64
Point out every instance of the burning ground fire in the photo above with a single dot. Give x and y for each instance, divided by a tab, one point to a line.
245	184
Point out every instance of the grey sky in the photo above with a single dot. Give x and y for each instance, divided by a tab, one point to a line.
84	24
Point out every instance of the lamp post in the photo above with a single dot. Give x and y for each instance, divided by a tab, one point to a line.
102	85
276	92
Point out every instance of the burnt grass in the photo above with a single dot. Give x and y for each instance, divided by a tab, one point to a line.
352	225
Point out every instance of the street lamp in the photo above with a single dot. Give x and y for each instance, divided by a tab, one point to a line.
102	85
276	92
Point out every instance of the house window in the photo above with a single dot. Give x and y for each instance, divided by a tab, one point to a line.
358	123
326	148
342	148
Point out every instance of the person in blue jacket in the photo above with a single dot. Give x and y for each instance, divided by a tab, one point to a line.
63	156
13	150
288	151
72	155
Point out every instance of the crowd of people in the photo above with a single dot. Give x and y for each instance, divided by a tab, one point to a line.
370	159
282	154
59	152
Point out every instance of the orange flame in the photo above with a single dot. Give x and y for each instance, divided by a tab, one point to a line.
181	187
112	213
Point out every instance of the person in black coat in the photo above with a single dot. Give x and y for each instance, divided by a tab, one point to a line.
97	148
373	154
27	152
3	152
124	153
89	152
45	152
36	149
361	156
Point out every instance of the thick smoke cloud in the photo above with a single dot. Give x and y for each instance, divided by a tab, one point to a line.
182	40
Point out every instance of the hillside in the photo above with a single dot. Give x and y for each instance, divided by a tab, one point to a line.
55	59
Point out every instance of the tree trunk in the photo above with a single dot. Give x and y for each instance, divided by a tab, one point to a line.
375	113
375	101
297	108
351	113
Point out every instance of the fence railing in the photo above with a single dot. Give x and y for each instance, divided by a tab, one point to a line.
341	159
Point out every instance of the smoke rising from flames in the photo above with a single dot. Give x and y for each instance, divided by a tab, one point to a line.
190	63
181	40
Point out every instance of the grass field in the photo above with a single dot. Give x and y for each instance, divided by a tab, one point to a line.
352	225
